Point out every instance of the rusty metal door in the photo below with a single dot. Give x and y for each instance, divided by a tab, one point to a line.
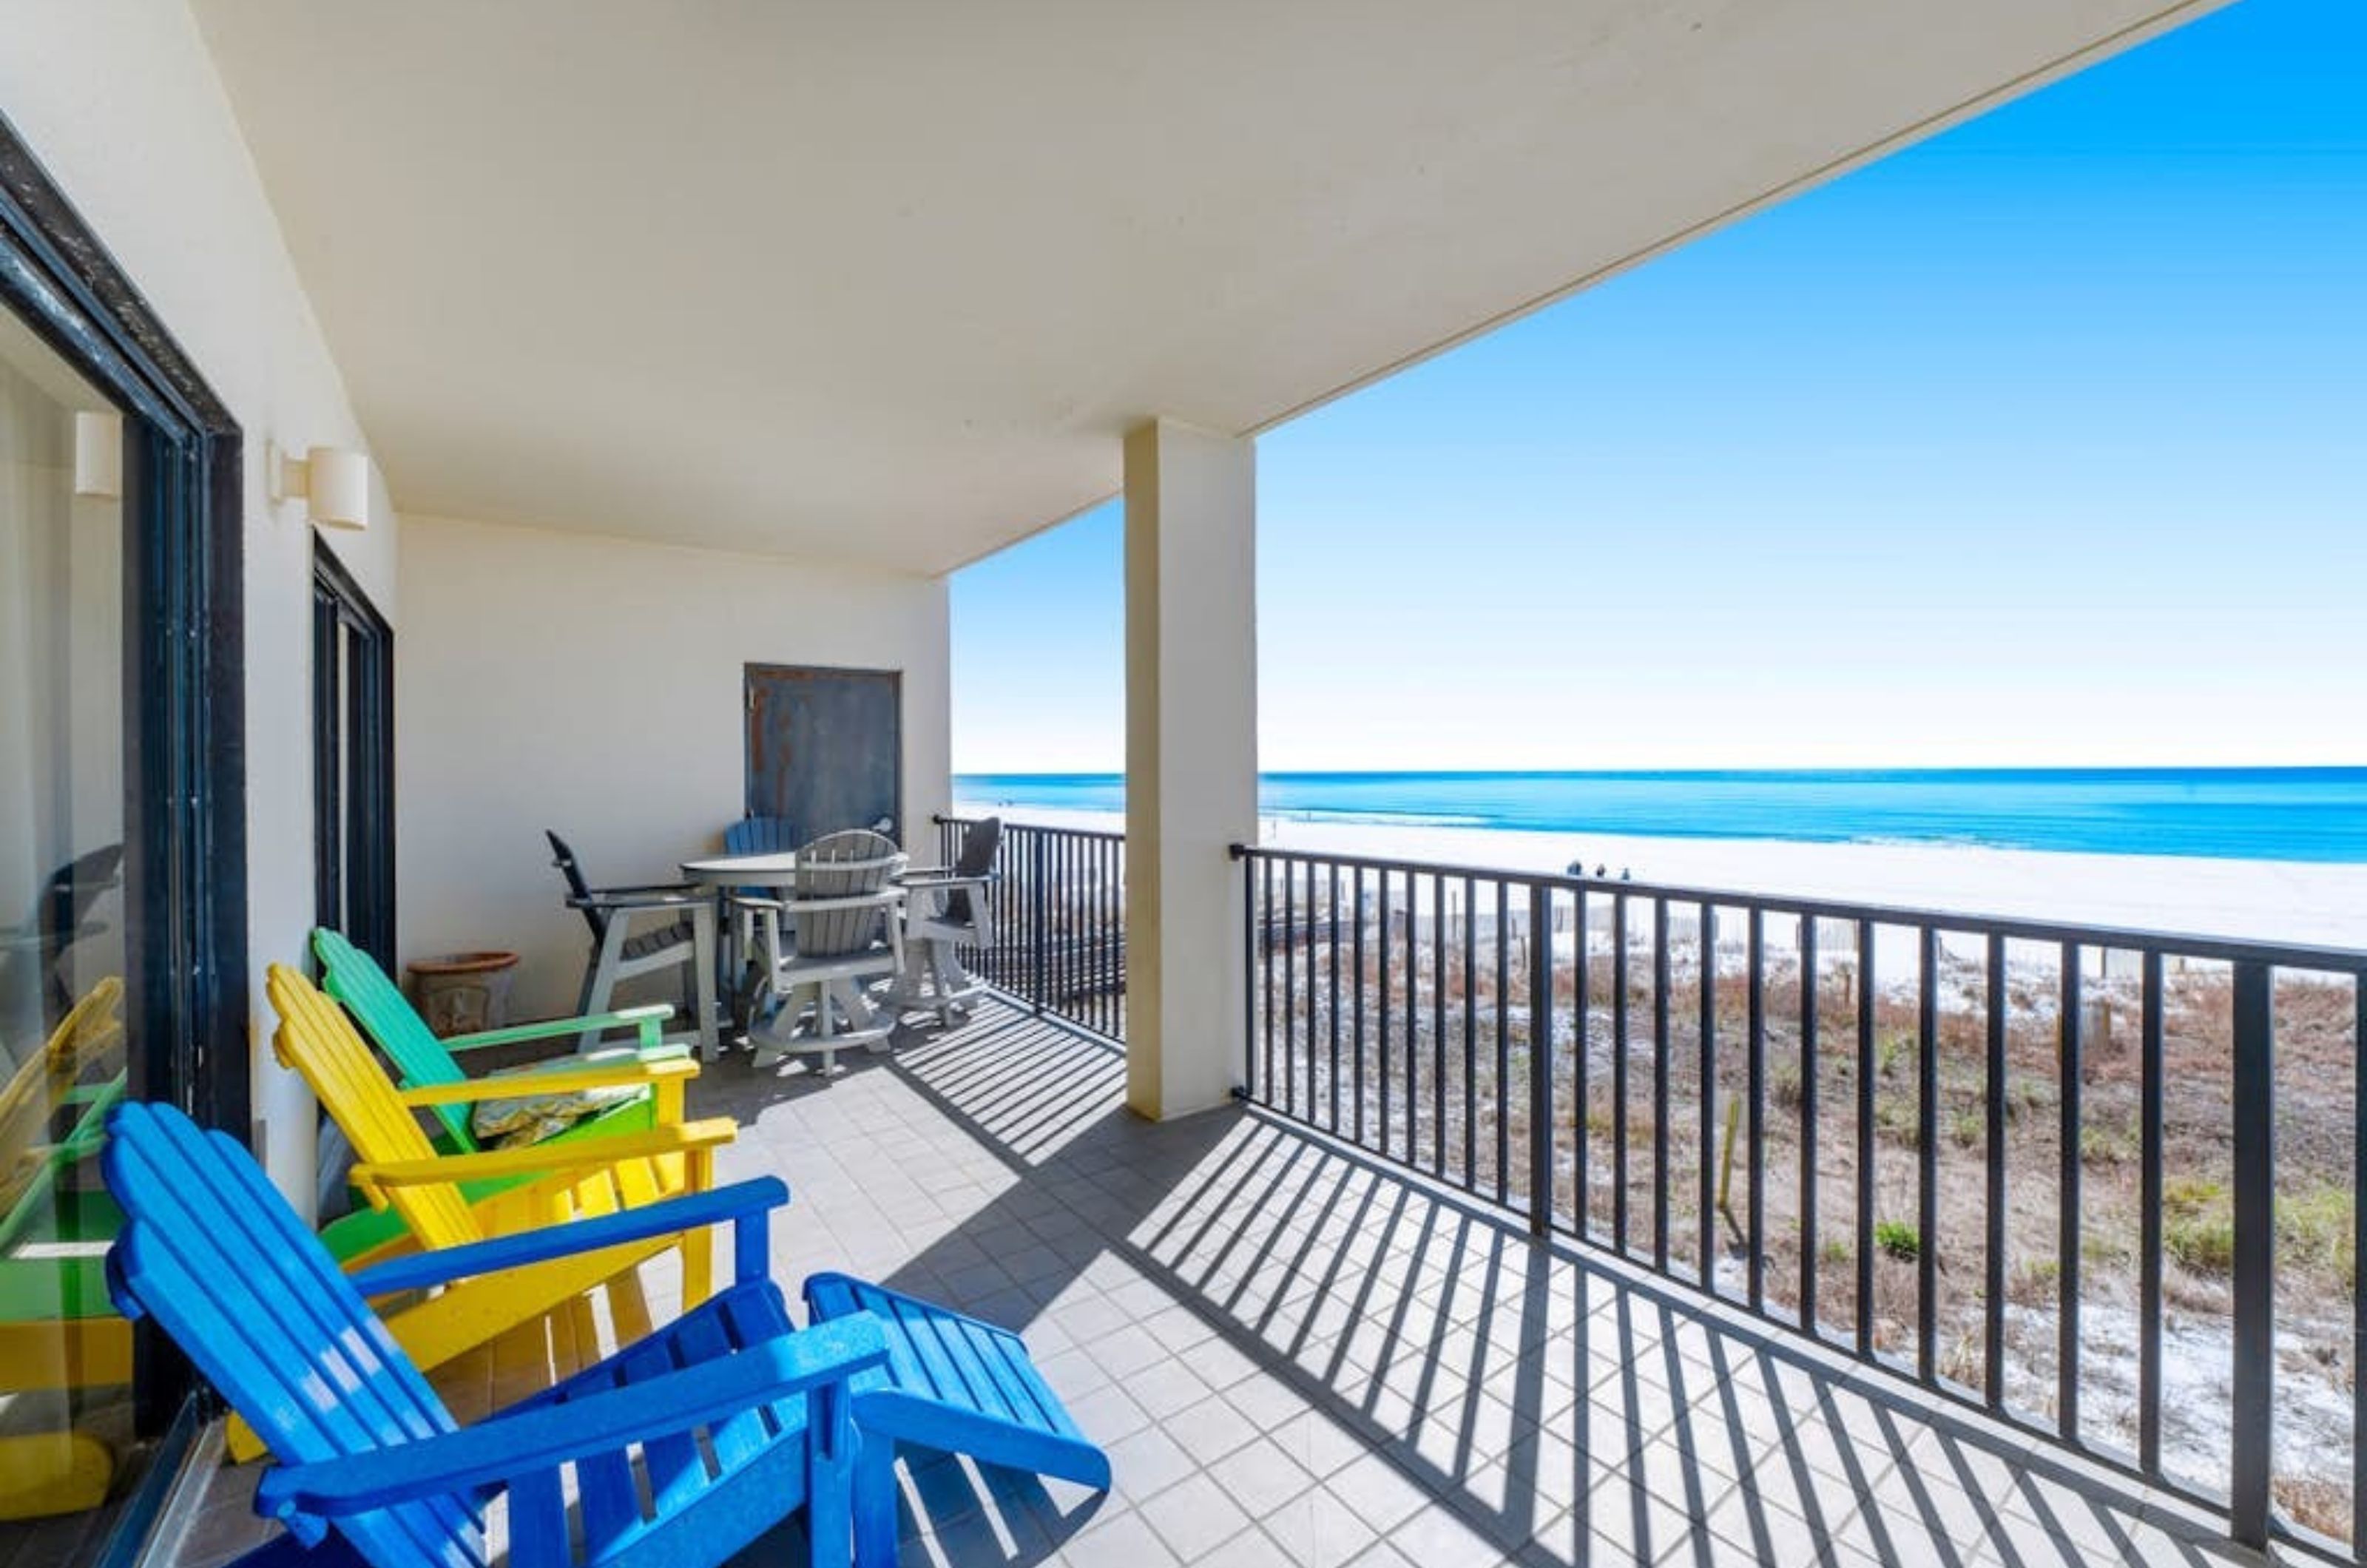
825	747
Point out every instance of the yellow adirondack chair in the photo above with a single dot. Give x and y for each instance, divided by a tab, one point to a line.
41	1083
56	1328
398	1166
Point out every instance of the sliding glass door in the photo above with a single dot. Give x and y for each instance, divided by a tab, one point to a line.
65	1359
122	850
353	760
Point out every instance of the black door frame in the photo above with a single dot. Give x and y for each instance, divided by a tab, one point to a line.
352	826
185	769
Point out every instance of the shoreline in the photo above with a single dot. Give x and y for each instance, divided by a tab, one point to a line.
2301	902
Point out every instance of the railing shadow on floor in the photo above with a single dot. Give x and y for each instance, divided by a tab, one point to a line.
1553	1398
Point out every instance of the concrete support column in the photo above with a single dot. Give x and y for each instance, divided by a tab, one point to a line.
1191	760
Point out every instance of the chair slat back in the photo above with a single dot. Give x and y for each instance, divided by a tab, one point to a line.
977	858
318	1040
420	1059
760	836
842	865
89	1033
213	1253
577	887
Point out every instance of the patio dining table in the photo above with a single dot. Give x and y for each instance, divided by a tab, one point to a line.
777	873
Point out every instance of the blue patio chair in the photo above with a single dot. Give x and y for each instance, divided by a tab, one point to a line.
753	836
760	836
738	1418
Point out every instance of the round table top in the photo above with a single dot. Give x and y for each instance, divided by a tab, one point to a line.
744	871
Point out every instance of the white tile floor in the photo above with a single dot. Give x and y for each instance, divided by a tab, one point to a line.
1297	1356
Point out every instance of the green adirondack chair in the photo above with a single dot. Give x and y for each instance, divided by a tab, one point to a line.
419	1060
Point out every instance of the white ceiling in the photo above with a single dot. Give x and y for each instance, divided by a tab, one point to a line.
885	279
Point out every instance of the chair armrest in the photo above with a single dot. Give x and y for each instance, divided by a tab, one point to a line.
645	1020
945	879
559	1079
513	1444
742	1204
628	899
879	900
537	1159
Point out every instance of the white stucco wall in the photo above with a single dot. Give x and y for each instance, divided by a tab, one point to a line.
593	685
120	100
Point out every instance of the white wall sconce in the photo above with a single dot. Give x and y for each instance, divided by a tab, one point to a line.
98	455
333	483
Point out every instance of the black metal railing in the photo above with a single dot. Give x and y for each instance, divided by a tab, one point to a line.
2103	1184
1056	922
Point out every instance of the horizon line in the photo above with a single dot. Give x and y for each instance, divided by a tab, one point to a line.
2118	770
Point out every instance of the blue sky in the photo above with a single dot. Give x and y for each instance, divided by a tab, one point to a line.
2041	441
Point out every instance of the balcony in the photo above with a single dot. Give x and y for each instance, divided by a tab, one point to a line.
1301	1355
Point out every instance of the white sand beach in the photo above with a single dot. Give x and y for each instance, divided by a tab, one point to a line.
2291	901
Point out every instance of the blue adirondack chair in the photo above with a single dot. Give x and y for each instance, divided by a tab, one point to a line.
739	1418
950	1382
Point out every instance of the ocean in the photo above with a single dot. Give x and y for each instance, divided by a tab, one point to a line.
2290	814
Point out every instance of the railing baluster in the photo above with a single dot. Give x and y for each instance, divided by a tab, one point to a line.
1755	1003
1381	981
1808	1053
1541	1048
2149	1160
1104	939
1470	1036
1927	1160
1619	1071
1865	1074
1075	904
1993	1105
1249	984
1039	883
1331	941
1314	992
1063	950
1265	962
1008	928
2358	1251
1707	1096
1056	894
1291	984
1065	886
1412	1028
1580	1046
1504	1038
1660	1084
2255	1254
2067	1244
1357	946
1438	1026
